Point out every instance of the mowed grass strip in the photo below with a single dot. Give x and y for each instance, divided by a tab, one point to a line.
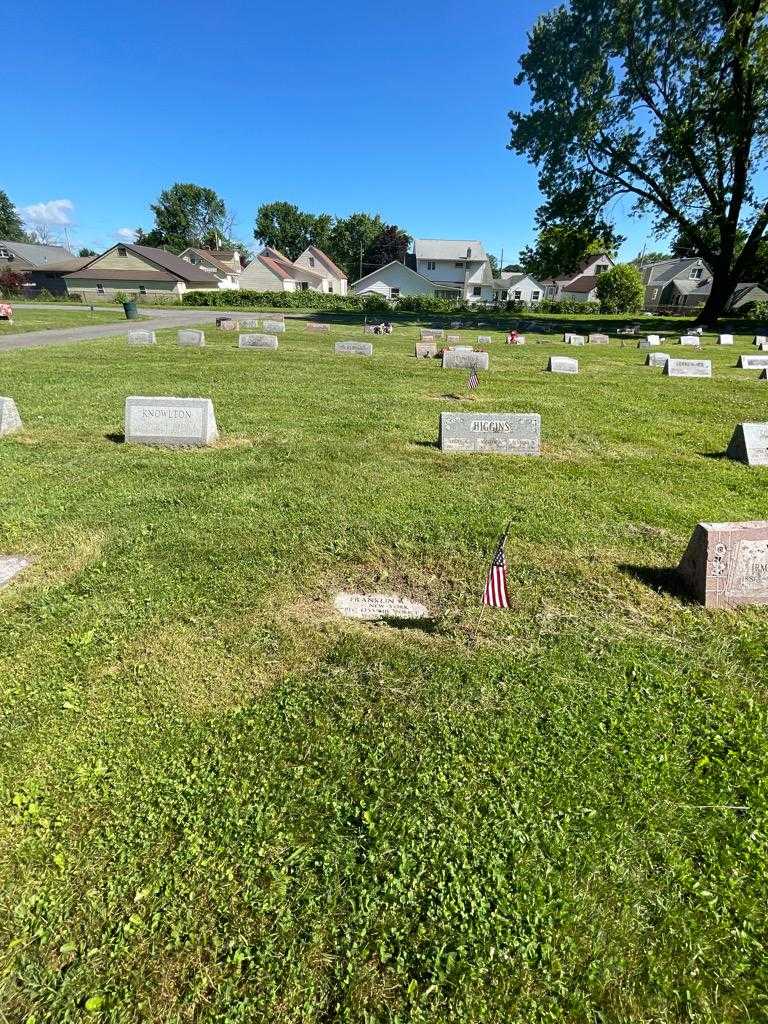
30	318
224	803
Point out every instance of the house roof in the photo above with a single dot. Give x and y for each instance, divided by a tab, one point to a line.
37	255
211	257
445	285
279	264
448	249
178	268
747	292
325	260
583	284
104	274
562	278
66	266
668	270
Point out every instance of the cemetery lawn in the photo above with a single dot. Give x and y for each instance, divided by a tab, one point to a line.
224	803
29	318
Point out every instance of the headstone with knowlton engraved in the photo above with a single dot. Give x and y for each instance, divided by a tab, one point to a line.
170	421
726	564
500	433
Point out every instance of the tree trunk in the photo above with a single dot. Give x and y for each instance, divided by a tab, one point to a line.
723	285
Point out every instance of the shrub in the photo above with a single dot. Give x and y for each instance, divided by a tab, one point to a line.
119	298
756	311
11	283
621	289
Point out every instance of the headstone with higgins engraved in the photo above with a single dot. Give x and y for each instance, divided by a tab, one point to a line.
690	340
274	326
353	348
563	364
599	339
749	444
726	564
753	362
502	433
426	349
688	368
378	607
10	566
725	339
169	421
455	359
656	358
257	341
191	339
142	338
10	421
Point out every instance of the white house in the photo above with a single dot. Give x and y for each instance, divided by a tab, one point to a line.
581	285
223	264
517	288
454	265
272	271
394	280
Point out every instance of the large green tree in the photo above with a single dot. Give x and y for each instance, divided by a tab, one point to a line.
351	239
560	248
285	227
187	214
390	244
662	101
11	227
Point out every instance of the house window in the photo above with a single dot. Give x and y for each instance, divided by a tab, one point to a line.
601	268
303	286
311	261
459	264
142	289
696	273
431	265
122	251
100	288
535	296
518	295
394	293
477	291
4	254
502	295
330	287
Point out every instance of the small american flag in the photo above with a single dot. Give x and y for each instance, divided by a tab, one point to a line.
495	593
473	381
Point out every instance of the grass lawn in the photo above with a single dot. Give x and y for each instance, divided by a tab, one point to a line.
28	318
223	803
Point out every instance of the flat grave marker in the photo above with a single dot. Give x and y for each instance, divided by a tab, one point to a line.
262	341
463	359
191	339
10	566
353	348
10	421
142	338
501	433
687	368
378	607
169	421
562	364
726	564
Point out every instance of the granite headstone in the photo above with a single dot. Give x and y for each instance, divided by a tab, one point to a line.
169	421
191	339
562	364
687	368
749	444
257	341
456	359
10	421
353	348
726	564
142	338
503	433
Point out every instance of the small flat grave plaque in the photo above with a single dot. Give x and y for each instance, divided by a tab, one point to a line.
378	607
563	364
353	348
191	339
726	564
599	339
142	338
426	349
749	444
725	339
174	422
257	341
690	340
10	566
687	368
456	359
656	358
753	362
10	421
274	326
502	433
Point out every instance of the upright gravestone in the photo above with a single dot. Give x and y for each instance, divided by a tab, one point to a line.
10	421
749	444
142	338
317	328
726	564
431	333
453	339
574	339
257	341
226	324
650	342
563	364
690	340
759	339
763	346
753	362
502	433
10	566
353	348
456	359
687	368
484	339
274	326
725	339
599	339
426	350
191	339
173	422
656	358
249	323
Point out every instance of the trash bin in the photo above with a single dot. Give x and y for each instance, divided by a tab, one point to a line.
131	311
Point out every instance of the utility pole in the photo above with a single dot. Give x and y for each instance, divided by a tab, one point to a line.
361	262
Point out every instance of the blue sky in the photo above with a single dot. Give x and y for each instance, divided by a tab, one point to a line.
399	109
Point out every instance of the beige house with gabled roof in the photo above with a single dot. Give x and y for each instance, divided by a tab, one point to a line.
315	259
137	270
581	284
225	264
272	271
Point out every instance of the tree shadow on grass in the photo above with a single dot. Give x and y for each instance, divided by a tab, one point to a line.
115	438
666	580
